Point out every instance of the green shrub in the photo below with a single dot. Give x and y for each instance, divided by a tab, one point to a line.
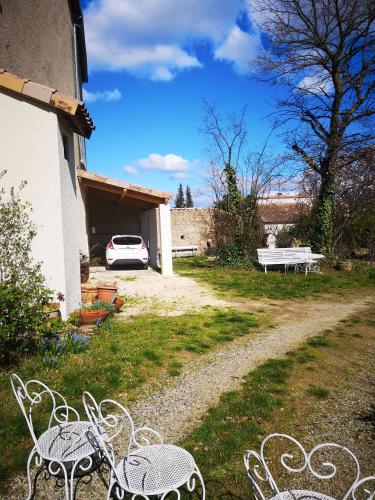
21	316
232	255
23	295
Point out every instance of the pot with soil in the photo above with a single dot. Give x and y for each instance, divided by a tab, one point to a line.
107	293
91	316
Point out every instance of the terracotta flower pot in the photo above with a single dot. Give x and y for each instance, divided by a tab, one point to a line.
89	293
107	293
89	317
346	266
118	303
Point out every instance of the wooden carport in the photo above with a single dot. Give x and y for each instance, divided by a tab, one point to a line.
151	204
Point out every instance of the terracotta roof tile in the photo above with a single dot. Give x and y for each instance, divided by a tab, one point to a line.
71	108
37	91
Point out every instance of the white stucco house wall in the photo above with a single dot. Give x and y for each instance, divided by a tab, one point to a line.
36	145
37	127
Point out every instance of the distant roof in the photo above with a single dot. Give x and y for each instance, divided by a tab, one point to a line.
72	109
274	213
123	190
77	18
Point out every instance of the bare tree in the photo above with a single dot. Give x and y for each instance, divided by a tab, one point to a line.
237	187
323	51
225	134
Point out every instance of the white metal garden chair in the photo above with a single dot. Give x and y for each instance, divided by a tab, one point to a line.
62	450
319	467
148	467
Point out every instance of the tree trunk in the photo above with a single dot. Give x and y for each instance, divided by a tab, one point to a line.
324	213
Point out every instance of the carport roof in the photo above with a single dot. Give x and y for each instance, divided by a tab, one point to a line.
123	191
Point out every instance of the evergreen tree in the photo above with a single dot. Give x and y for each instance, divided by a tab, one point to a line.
180	198
189	198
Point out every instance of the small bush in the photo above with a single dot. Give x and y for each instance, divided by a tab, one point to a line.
53	349
231	255
23	295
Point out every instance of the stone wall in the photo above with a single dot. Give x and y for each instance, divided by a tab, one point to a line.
195	226
192	226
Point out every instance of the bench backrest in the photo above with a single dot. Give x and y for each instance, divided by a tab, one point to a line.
281	255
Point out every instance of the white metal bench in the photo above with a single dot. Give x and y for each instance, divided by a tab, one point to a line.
185	251
289	257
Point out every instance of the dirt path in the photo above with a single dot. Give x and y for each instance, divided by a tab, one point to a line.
175	410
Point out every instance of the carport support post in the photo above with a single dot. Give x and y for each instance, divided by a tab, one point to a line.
165	240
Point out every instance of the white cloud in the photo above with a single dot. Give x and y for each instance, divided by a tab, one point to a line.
106	96
175	165
130	170
239	48
152	38
316	84
167	163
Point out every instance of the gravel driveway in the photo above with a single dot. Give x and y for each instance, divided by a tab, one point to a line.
168	295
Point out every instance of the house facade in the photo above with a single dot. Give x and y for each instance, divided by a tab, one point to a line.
42	134
44	41
36	146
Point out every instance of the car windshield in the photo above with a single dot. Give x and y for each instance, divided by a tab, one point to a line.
127	240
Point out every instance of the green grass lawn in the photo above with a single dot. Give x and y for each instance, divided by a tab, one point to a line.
273	285
121	357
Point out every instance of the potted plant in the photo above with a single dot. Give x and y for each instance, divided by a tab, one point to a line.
107	292
93	313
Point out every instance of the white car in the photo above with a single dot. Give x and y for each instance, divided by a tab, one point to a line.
126	249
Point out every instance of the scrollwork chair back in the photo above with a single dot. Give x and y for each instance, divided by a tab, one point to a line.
34	394
110	420
264	483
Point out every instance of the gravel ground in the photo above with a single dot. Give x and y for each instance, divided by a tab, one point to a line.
347	417
177	409
168	295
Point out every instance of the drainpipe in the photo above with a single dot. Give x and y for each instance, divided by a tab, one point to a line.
81	141
78	89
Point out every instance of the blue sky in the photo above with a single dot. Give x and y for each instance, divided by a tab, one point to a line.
150	64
